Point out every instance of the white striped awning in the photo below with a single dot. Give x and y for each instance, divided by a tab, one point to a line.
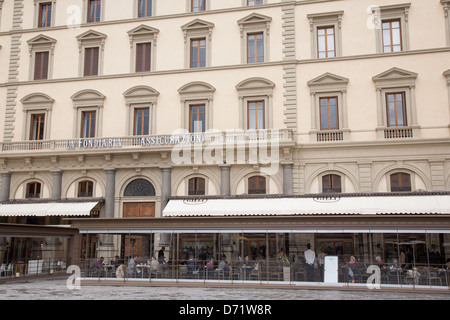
362	205
47	209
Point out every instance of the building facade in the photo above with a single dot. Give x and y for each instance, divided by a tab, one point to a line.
129	105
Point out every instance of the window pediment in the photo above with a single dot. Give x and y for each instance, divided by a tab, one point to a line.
41	40
197	24
91	35
259	85
328	79
395	76
254	18
88	97
143	30
37	101
197	87
141	94
140	91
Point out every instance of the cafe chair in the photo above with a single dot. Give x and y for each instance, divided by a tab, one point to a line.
234	274
255	272
434	278
275	273
183	271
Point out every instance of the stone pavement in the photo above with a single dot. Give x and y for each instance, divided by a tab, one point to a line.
57	289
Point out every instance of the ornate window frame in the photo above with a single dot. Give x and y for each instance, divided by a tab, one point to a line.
36	103
41	43
88	100
37	4
391	12
396	80
327	19
447	76
446	5
136	9
253	23
197	29
189	6
245	3
253	89
143	34
195	93
85	11
327	85
140	97
91	39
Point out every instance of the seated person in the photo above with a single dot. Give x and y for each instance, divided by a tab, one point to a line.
192	267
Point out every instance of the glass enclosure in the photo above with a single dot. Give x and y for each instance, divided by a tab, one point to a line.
22	255
402	258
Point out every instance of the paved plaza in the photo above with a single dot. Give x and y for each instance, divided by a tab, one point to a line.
57	289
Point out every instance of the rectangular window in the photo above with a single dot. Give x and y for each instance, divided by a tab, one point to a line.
88	124
37	127
198	53
143	59
396	109
145	8
254	2
325	42
329	114
198	5
85	189
196	187
392	35
331	183
257	185
45	15
197	118
255	47
91	56
94	9
41	65
33	190
255	115
141	121
400	182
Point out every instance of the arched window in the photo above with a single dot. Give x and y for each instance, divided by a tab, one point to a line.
196	187
139	188
257	185
331	183
33	190
85	188
400	181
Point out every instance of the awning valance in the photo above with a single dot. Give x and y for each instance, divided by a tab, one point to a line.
47	209
319	205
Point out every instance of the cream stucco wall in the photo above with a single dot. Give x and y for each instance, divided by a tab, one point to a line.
363	159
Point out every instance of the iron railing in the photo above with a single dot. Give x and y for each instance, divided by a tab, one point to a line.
418	276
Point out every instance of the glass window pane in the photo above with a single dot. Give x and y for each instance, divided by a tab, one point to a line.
396	36
324	118
330	42
260	51
333	118
321	44
386	37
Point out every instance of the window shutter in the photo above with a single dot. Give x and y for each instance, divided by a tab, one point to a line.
143	57
91	57
41	65
95	62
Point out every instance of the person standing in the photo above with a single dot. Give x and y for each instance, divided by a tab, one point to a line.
161	255
310	258
321	263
